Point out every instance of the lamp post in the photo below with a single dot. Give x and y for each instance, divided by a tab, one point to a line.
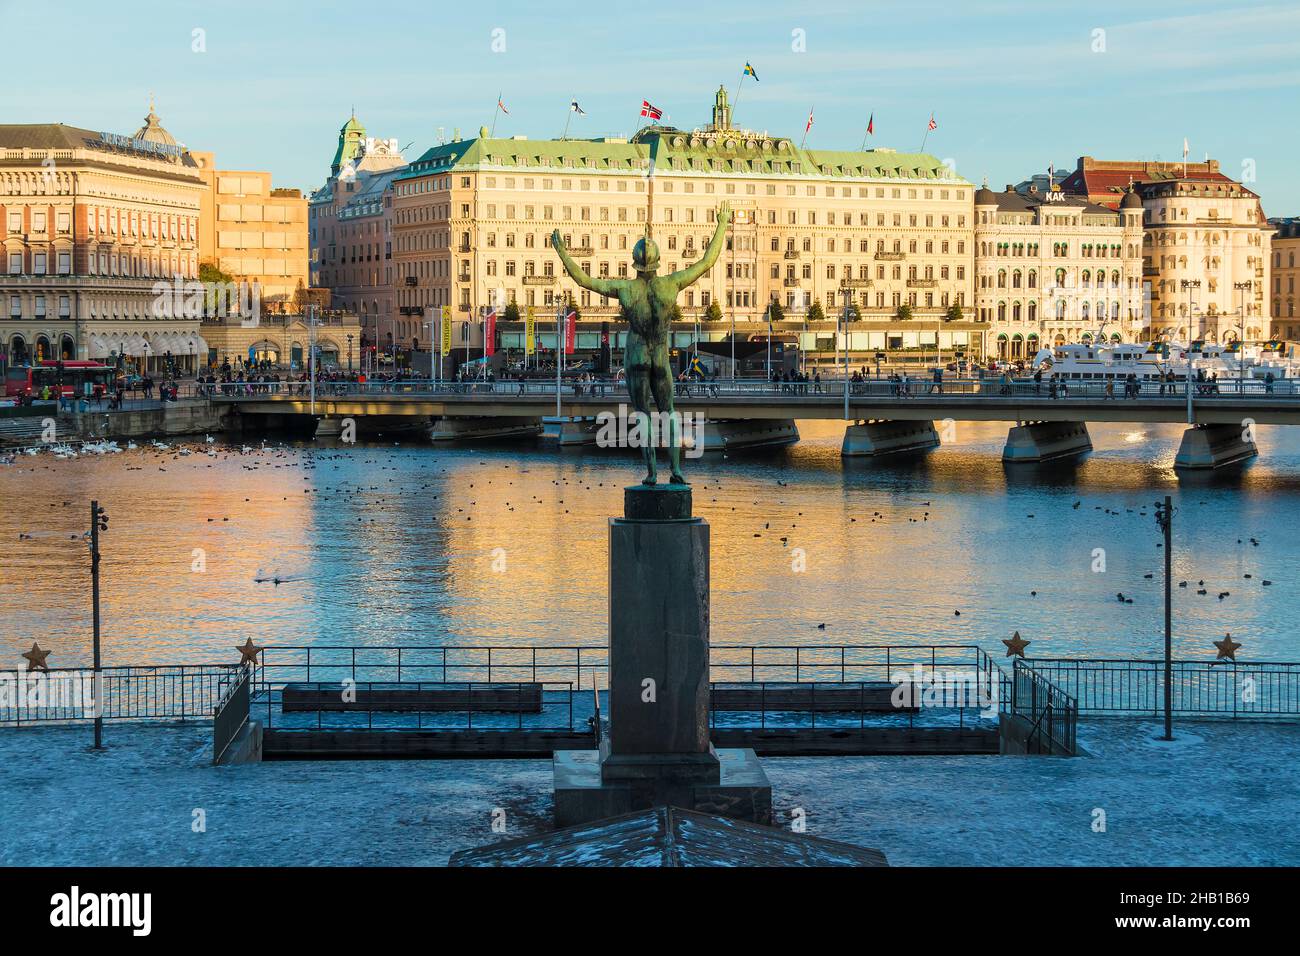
349	353
1164	519
98	523
848	301
1189	285
1242	288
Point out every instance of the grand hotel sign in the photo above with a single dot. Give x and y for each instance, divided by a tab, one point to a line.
140	145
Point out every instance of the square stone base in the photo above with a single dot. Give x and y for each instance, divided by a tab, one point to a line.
742	791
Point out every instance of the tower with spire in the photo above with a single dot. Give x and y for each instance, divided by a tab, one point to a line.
352	142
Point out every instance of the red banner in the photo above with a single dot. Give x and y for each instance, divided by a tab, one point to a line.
570	331
490	333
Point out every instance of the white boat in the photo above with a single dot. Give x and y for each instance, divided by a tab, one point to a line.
1227	365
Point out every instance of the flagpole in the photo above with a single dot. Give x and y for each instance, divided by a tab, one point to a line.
737	99
806	128
565	134
495	113
867	132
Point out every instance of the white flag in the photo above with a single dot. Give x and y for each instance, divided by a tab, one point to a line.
1185	150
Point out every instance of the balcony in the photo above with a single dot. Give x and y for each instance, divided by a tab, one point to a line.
581	250
412	280
539	280
922	283
790	254
855	283
889	256
791	283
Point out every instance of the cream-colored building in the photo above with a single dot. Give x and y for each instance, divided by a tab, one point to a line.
89	223
1207	251
1054	268
472	222
1286	271
1205	245
351	229
254	232
285	340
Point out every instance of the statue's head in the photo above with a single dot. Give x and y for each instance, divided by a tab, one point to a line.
645	255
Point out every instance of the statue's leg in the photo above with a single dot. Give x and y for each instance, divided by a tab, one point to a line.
661	382
638	387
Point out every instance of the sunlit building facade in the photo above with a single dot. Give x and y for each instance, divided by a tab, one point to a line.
1055	268
887	232
89	223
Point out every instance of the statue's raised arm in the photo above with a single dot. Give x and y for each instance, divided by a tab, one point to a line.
685	277
608	287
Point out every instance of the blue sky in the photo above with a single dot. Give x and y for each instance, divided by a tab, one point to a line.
1013	85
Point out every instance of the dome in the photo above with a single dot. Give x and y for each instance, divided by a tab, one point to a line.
985	196
153	132
1131	200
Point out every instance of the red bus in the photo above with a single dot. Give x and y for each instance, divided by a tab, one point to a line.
78	378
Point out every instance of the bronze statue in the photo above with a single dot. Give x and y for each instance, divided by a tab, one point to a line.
647	302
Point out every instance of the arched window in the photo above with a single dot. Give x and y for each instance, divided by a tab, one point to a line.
1033	311
1002	278
1015	311
1033	278
1002	311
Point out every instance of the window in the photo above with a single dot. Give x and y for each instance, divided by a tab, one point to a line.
15	263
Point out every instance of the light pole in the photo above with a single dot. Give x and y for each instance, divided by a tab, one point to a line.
98	523
1189	285
311	354
349	352
1242	288
769	340
848	301
1164	519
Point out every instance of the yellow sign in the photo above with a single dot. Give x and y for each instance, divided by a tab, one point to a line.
446	330
530	327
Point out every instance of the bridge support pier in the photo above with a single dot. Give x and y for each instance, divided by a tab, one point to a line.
1045	441
577	431
457	429
732	435
1214	446
329	427
872	439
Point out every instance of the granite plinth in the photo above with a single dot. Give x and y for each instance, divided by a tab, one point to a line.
657	503
582	794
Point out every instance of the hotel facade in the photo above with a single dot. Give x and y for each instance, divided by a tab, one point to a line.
89	222
887	232
1054	268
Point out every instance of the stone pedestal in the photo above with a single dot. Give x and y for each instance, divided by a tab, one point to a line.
658	751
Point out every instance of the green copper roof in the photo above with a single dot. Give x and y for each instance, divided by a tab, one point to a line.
351	137
725	151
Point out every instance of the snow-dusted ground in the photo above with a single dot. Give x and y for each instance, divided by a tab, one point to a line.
1222	794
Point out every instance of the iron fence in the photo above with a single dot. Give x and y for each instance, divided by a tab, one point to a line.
1052	714
132	692
1203	689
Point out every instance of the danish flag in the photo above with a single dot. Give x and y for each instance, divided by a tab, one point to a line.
651	111
933	124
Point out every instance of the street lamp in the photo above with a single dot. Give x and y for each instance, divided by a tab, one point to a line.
1189	285
349	353
1241	288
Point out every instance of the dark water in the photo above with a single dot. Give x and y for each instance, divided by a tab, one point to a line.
506	543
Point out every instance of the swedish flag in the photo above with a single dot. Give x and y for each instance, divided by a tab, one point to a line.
749	71
697	367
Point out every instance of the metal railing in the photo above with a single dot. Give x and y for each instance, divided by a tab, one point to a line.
559	707
1053	715
900	389
1202	689
231	711
70	695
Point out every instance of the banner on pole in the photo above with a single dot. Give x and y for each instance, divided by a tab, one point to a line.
446	330
570	331
490	333
530	332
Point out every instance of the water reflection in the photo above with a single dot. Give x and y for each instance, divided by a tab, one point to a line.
506	543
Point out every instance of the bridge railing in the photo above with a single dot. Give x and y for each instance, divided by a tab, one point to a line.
1202	689
758	389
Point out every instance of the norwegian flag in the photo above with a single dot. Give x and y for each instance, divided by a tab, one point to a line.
648	109
502	106
933	124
